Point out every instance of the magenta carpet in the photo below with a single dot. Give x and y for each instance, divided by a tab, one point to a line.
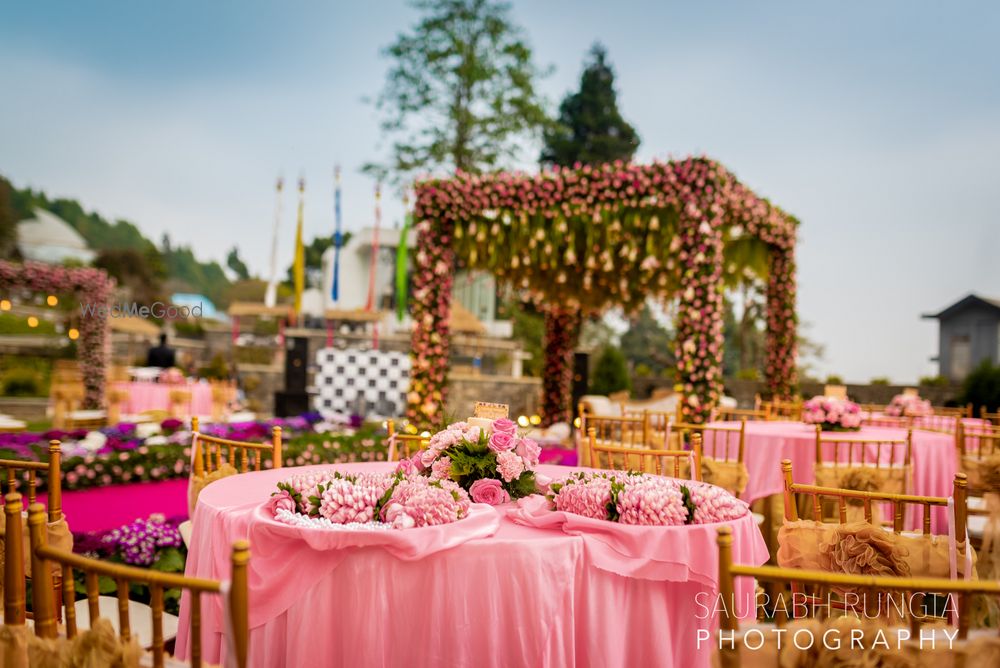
111	507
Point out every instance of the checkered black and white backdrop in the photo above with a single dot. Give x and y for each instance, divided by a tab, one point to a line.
382	378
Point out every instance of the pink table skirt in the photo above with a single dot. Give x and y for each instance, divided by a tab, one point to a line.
156	396
767	443
524	596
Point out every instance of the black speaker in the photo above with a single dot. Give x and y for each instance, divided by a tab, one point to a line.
581	381
296	363
290	404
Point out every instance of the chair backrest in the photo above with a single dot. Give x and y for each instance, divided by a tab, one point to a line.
954	411
647	460
721	442
978	441
45	608
898	501
401	445
206	451
618	431
844	450
17	470
726	414
993	418
786	410
729	653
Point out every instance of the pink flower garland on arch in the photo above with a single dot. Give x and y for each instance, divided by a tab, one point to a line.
89	286
584	239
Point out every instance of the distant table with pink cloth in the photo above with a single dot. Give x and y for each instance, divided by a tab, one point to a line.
521	596
145	396
933	461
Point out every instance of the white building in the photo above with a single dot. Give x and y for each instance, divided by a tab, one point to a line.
49	238
476	291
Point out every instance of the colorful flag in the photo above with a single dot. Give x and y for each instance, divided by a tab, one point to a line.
299	264
338	236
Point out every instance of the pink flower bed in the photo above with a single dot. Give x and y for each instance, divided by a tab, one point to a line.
643	499
398	499
832	414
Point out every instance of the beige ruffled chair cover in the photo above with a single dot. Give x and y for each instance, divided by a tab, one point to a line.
891	480
729	475
860	548
99	647
978	652
198	483
59	536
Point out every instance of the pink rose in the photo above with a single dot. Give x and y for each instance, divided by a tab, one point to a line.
406	467
488	490
281	500
417	461
502	442
504	426
529	451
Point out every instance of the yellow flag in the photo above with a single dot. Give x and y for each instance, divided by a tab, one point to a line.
299	264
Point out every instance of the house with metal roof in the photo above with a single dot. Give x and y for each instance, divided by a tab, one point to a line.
968	335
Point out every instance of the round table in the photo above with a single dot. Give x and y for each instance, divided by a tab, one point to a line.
767	443
145	396
524	596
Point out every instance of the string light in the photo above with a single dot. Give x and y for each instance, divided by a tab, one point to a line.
32	321
523	421
73	333
5	305
535	420
51	300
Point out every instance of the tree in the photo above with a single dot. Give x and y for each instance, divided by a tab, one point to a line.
590	129
142	273
460	91
8	221
610	373
647	343
236	263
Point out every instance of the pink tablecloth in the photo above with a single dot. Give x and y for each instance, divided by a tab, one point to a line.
767	443
525	596
156	396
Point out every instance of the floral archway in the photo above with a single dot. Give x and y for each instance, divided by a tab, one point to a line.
91	287
582	240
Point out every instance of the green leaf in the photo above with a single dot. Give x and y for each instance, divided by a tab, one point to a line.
170	560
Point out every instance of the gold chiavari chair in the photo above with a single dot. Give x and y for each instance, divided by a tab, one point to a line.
725	414
953	411
786	410
728	643
223	393
865	453
992	418
657	424
722	452
645	459
400	445
45	557
979	457
179	403
614	431
116	397
208	463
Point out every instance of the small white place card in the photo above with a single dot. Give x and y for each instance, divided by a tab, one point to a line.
491	411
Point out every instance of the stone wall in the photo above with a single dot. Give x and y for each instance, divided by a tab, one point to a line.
523	395
25	408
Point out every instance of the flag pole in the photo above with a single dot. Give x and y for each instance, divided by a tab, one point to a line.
299	264
338	234
271	295
372	269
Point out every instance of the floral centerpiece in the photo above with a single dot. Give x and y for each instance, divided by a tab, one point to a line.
909	405
832	414
485	457
643	499
388	500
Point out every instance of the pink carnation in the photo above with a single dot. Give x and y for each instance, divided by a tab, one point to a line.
651	501
589	499
441	469
509	465
714	504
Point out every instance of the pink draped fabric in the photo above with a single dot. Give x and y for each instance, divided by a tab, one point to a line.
156	396
524	596
767	443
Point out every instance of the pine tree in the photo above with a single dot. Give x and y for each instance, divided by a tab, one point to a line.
590	129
